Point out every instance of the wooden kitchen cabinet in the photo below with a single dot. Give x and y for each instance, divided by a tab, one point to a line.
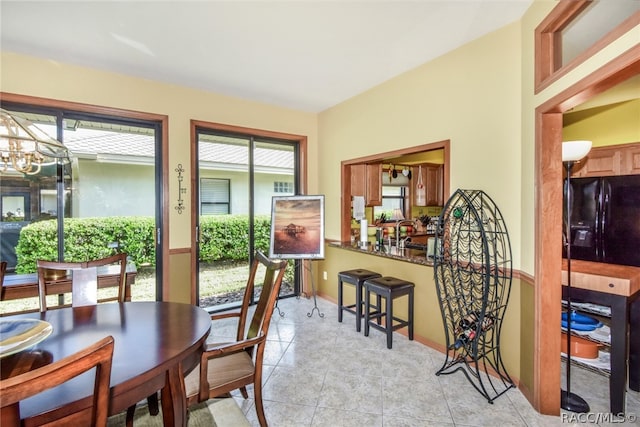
358	181
374	184
613	160
434	185
601	161
631	159
419	238
366	180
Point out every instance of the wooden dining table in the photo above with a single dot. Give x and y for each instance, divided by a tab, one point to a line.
156	344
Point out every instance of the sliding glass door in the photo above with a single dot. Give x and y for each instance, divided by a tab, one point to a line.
237	176
103	200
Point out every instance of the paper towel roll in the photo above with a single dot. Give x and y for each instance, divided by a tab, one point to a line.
363	230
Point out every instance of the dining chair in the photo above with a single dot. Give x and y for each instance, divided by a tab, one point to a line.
83	279
84	292
229	366
3	270
15	389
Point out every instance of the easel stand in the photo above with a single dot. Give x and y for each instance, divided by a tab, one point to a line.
313	291
280	312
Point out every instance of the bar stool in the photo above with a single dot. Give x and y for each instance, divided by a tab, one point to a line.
388	288
354	277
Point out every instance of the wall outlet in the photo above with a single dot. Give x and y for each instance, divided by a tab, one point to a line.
324	275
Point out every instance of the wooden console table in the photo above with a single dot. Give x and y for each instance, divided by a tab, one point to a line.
19	286
618	287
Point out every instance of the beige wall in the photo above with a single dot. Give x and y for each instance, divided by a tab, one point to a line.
470	96
607	125
481	97
452	97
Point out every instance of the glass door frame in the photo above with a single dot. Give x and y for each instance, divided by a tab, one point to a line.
159	122
300	185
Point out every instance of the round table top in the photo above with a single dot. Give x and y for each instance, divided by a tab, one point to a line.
149	338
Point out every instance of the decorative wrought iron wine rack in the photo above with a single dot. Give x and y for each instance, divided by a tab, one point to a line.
472	267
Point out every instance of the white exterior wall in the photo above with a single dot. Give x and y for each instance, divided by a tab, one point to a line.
111	189
239	193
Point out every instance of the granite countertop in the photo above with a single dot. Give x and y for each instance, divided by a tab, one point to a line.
408	255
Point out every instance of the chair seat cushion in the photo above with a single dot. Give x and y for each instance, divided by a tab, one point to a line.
222	372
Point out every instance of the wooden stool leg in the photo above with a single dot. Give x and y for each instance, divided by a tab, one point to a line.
340	300
389	320
411	315
367	311
358	305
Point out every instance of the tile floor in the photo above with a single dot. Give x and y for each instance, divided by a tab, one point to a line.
319	372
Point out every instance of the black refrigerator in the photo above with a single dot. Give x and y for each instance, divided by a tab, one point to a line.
605	219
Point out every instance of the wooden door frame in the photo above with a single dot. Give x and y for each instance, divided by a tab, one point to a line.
345	178
162	229
301	140
548	220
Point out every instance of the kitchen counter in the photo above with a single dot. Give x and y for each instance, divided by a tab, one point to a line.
608	278
407	255
618	287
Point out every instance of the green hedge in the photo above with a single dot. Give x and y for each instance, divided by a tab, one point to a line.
86	238
223	237
226	237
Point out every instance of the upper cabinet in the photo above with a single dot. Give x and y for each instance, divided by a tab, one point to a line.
631	159
612	160
433	180
434	185
366	180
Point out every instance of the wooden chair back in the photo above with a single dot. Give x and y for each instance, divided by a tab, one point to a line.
228	366
83	278
271	282
3	270
98	355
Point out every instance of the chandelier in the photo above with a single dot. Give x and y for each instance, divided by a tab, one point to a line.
25	148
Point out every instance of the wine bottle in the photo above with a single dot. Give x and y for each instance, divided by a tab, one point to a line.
487	322
467	326
467	322
464	338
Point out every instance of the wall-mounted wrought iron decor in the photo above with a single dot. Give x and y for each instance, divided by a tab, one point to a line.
181	190
472	267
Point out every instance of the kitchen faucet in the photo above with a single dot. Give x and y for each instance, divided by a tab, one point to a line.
398	224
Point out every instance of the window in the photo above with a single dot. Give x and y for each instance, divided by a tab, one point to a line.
215	196
573	32
392	197
283	187
242	168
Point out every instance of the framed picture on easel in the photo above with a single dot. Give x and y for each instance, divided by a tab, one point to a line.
297	227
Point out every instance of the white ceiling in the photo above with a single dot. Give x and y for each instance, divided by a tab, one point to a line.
306	55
